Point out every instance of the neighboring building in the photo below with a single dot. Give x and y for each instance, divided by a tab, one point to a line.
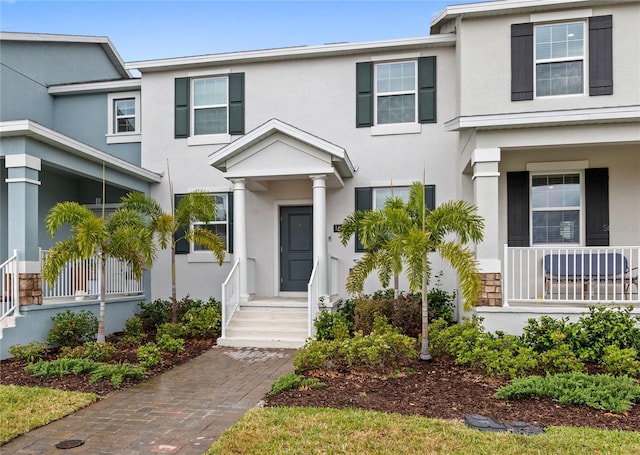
69	121
530	110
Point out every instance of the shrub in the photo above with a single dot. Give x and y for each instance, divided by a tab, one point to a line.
441	302
134	331
173	329
407	314
116	373
61	367
544	334
149	355
599	391
560	359
604	327
72	329
294	381
367	308
331	326
30	352
202	322
619	362
173	345
383	350
98	352
154	314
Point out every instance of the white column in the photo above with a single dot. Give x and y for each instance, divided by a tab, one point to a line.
486	176
320	231
240	233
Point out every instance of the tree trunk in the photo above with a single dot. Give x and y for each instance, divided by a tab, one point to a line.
174	300
424	350
103	297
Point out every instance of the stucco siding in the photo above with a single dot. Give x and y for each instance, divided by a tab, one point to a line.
484	46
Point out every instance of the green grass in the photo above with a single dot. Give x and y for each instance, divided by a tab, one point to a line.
307	431
24	408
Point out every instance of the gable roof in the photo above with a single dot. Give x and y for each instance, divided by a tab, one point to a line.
103	41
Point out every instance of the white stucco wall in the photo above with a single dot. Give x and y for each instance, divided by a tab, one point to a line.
314	95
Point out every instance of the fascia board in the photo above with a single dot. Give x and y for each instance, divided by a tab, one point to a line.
46	135
289	53
96	87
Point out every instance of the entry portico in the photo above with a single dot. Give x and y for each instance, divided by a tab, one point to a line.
277	154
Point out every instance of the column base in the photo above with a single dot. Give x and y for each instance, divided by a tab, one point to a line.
491	294
30	288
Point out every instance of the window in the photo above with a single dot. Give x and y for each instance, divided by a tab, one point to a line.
396	93
210	106
396	97
123	117
208	110
559	56
556	61
220	225
555	208
380	195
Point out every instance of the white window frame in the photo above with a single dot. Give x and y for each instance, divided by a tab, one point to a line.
205	255
583	58
395	128
580	208
205	139
114	137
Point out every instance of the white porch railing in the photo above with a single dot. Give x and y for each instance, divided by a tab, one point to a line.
82	278
9	287
230	296
313	297
571	275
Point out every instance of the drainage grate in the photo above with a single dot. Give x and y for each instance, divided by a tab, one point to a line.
69	443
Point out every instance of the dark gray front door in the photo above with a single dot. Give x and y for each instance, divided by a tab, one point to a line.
296	247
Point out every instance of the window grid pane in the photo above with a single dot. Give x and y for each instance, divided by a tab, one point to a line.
210	92
555	202
396	109
380	195
559	59
125	112
219	225
210	121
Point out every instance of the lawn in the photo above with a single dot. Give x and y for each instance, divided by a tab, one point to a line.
350	431
24	408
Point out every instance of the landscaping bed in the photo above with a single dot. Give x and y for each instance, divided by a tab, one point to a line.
442	389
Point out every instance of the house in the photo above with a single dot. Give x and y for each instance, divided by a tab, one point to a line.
530	110
69	122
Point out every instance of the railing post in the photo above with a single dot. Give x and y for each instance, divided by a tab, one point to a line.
506	263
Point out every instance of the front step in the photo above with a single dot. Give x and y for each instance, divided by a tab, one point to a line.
267	324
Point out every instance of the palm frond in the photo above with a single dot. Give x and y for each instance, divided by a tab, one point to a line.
63	213
465	264
195	206
59	255
209	240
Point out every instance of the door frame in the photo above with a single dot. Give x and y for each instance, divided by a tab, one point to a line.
276	242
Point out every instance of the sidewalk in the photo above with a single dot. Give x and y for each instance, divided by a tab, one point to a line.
179	412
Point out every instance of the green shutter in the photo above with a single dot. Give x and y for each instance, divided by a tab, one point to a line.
600	55
230	221
522	62
364	94
427	89
364	201
182	108
430	196
236	103
182	246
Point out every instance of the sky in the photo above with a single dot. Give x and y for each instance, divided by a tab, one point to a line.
146	30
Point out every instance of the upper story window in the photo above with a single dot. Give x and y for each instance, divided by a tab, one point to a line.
209	109
210	103
559	57
396	93
396	97
570	58
123	117
381	195
555	208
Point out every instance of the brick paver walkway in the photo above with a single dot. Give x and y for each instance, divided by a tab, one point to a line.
180	412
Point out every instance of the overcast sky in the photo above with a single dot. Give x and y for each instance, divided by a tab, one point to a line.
143	30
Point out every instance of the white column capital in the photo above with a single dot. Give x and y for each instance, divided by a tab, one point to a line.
485	155
23	160
318	179
238	183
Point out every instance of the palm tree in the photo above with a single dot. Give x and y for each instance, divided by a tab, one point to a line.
401	235
123	235
170	228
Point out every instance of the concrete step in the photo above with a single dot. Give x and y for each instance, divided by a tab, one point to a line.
259	343
272	315
273	324
7	323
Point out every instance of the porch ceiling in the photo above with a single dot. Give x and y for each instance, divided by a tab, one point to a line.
278	151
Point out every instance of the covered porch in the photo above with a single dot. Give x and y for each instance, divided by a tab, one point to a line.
281	176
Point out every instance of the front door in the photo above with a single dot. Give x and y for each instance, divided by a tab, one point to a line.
296	247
